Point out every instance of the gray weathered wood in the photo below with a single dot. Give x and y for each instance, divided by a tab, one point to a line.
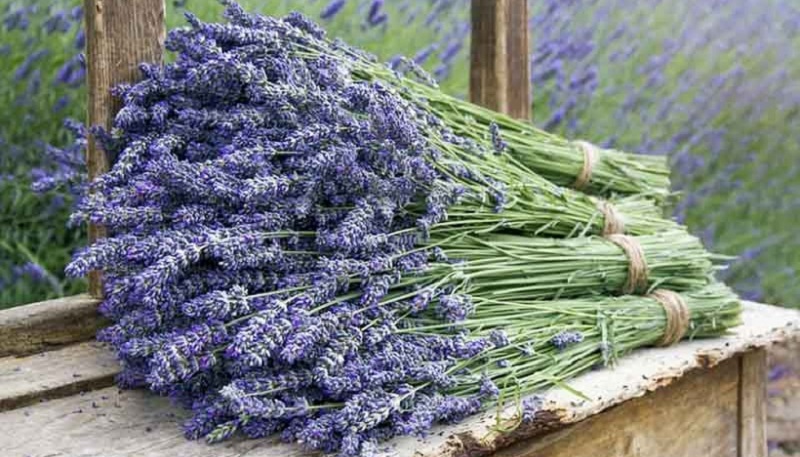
695	416
499	62
120	34
54	374
141	424
113	423
753	404
48	324
783	410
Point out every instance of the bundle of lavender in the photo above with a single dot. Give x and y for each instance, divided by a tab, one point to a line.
296	250
577	164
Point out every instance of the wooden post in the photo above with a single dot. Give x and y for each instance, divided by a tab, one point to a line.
120	34
753	404
500	69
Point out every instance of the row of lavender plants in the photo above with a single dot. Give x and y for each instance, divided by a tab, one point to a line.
709	83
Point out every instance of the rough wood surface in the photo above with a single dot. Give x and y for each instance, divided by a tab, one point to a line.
54	374
499	62
518	60
120	34
783	420
140	424
753	404
40	326
113	423
696	416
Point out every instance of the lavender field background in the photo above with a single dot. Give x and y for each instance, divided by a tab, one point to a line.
713	84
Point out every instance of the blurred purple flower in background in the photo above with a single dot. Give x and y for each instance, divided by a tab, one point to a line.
332	9
27	66
376	16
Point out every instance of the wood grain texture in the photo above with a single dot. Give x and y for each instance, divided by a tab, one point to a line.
45	325
55	374
783	409
113	423
499	57
518	60
141	424
753	404
693	417
120	34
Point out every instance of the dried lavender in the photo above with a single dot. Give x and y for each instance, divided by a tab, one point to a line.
294	249
553	157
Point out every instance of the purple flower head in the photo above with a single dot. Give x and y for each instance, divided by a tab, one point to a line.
455	307
76	14
18	19
374	13
421	301
80	39
222	432
58	22
423	54
366	410
566	338
332	9
31	270
182	356
499	338
488	389
497	140
218	304
26	67
530	408
451	51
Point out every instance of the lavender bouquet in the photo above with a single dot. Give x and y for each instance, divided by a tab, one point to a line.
576	164
294	249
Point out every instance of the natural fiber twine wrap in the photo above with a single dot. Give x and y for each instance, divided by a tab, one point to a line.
613	224
591	154
675	307
636	282
678	316
677	312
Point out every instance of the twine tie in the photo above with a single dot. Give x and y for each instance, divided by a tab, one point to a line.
613	224
637	280
678	316
591	154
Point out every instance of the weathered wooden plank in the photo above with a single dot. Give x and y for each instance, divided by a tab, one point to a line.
499	65
54	374
783	411
48	324
695	416
110	423
113	423
753	404
783	424
120	34
140	424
